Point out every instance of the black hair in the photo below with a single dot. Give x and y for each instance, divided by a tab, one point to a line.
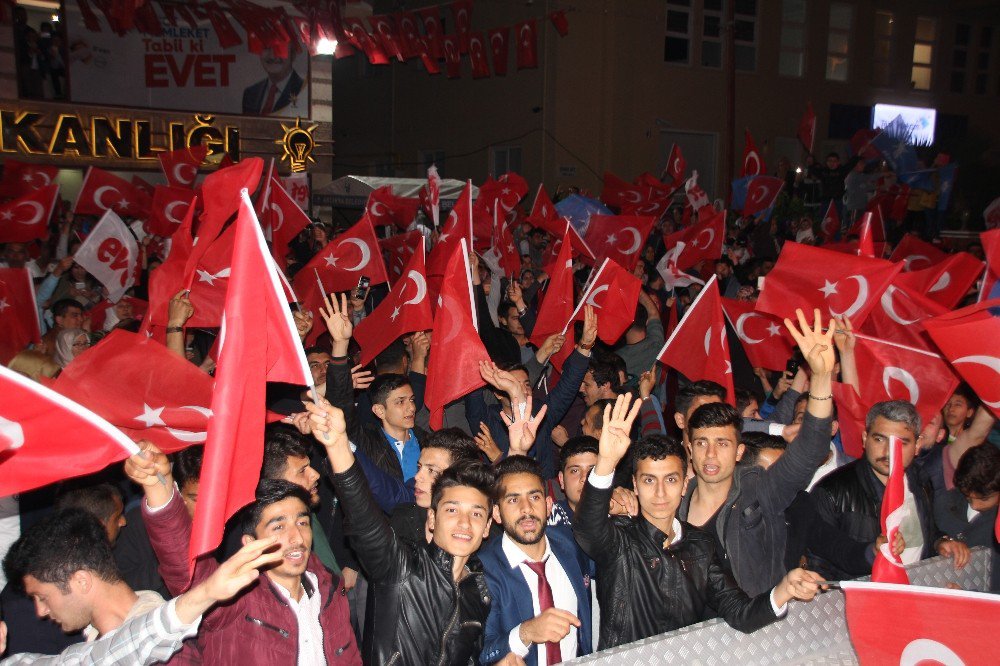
384	385
315	349
641	317
965	391
744	398
476	475
516	465
833	154
725	260
513	366
99	500
978	471
715	415
604	373
503	308
600	404
269	491
392	357
60	307
59	545
658	447
459	446
280	443
187	464
699	389
755	442
574	446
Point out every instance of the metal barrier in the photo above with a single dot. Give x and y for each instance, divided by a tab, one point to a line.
812	633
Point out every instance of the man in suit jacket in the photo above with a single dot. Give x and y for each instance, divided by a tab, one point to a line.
537	575
283	86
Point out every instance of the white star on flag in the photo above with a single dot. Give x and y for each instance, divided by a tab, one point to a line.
774	329
395	313
4	304
829	288
8	215
150	416
331	260
612	239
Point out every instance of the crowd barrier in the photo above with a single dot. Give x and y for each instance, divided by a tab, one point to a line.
813	633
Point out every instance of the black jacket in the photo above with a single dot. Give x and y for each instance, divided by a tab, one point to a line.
850	499
644	589
416	615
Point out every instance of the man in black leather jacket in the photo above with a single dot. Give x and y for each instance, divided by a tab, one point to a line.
427	603
657	573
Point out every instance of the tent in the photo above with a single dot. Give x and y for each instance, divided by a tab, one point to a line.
353	191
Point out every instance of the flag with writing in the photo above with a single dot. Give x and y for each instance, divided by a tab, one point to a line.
111	254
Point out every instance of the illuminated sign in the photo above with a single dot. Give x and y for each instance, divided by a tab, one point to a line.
298	144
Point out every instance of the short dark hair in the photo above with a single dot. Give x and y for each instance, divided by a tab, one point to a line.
59	545
574	446
699	389
833	154
187	464
97	499
503	308
744	398
392	356
600	404
459	446
755	442
476	475
640	319
513	366
60	307
516	465
658	447
280	442
604	373
715	415
978	471
268	492
725	260
384	385
965	391
315	349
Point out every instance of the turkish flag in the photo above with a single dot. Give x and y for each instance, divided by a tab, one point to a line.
52	437
614	293
457	226
508	191
452	57
398	249
504	247
702	241
287	220
385	208
910	624
499	40
807	277
968	339
181	166
991	247
888	567
170	205
19	325
359	37
347	258
874	220
917	254
580	248
703	329
753	163
891	371
169	278
410	40
99	313
527	44
456	349
260	344
434	195
477	56
543	211
20	178
143	388
830	226
946	282
101	191
851	415
111	254
618	237
556	310
27	218
431	18
384	30
765	339
676	165
406	309
861	143
899	315
559	22
461	11
762	192
807	128
617	192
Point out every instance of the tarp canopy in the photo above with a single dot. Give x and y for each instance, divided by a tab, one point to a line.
353	191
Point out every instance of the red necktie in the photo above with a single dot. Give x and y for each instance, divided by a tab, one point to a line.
272	94
553	654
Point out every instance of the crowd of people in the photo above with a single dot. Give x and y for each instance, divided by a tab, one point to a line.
557	514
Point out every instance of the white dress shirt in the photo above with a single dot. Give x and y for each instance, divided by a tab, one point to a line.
563	598
307	610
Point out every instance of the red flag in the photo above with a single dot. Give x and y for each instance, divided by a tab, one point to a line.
19	325
452	57
946	282
409	35
461	11
861	143
967	338
697	198
431	18
434	195
702	240
527	44
888	567
384	30
866	246
503	247
617	192
477	56
111	255
456	350
891	371
142	388
830	226
143	185
170	205
808	277
359	37
287	220
169	277
702	329
101	191
505	192
385	208
764	337
897	624
851	414
676	165
807	128
753	163
874	220
614	293
499	49
35	421
406	309
899	315
671	273
456	227
556	310
991	247
618	237
559	22
917	254
20	178
349	256
181	166
543	211
27	218
762	192
258	343
399	249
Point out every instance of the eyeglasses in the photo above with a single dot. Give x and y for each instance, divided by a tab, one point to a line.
81	345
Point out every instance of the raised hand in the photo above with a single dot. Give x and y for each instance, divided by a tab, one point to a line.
501	380
647	381
815	343
484	440
303	322
361	378
179	309
150	469
328	424
589	335
521	430
550	347
615	440
338	322
242	568
844	336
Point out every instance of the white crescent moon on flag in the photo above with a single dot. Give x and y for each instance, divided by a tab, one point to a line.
204	411
421	284
758	195
179	173
859	302
903	377
169	208
711	238
925	650
941	283
908	261
593	295
677	165
187	435
279	214
991	362
525	29
628	195
708	338
636	241
365	254
374	210
12	431
451	306
44	176
99	192
740	322
35	206
753	157
890	309
496	41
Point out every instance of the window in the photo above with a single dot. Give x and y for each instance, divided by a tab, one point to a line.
885	25
745	35
983	60
839	41
923	53
960	57
711	33
677	43
504	159
792	58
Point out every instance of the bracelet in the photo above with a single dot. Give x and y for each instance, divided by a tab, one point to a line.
815	397
175	329
587	347
520	313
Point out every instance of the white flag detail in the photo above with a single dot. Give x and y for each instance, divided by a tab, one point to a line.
111	255
672	276
434	193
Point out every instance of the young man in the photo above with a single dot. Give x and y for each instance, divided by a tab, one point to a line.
427	603
576	460
657	573
743	507
296	613
539	578
691	397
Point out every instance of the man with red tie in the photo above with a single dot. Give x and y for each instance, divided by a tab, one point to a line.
282	93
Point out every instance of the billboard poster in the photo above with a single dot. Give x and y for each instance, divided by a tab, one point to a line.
185	69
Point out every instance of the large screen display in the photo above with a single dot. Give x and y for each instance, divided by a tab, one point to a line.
919	121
